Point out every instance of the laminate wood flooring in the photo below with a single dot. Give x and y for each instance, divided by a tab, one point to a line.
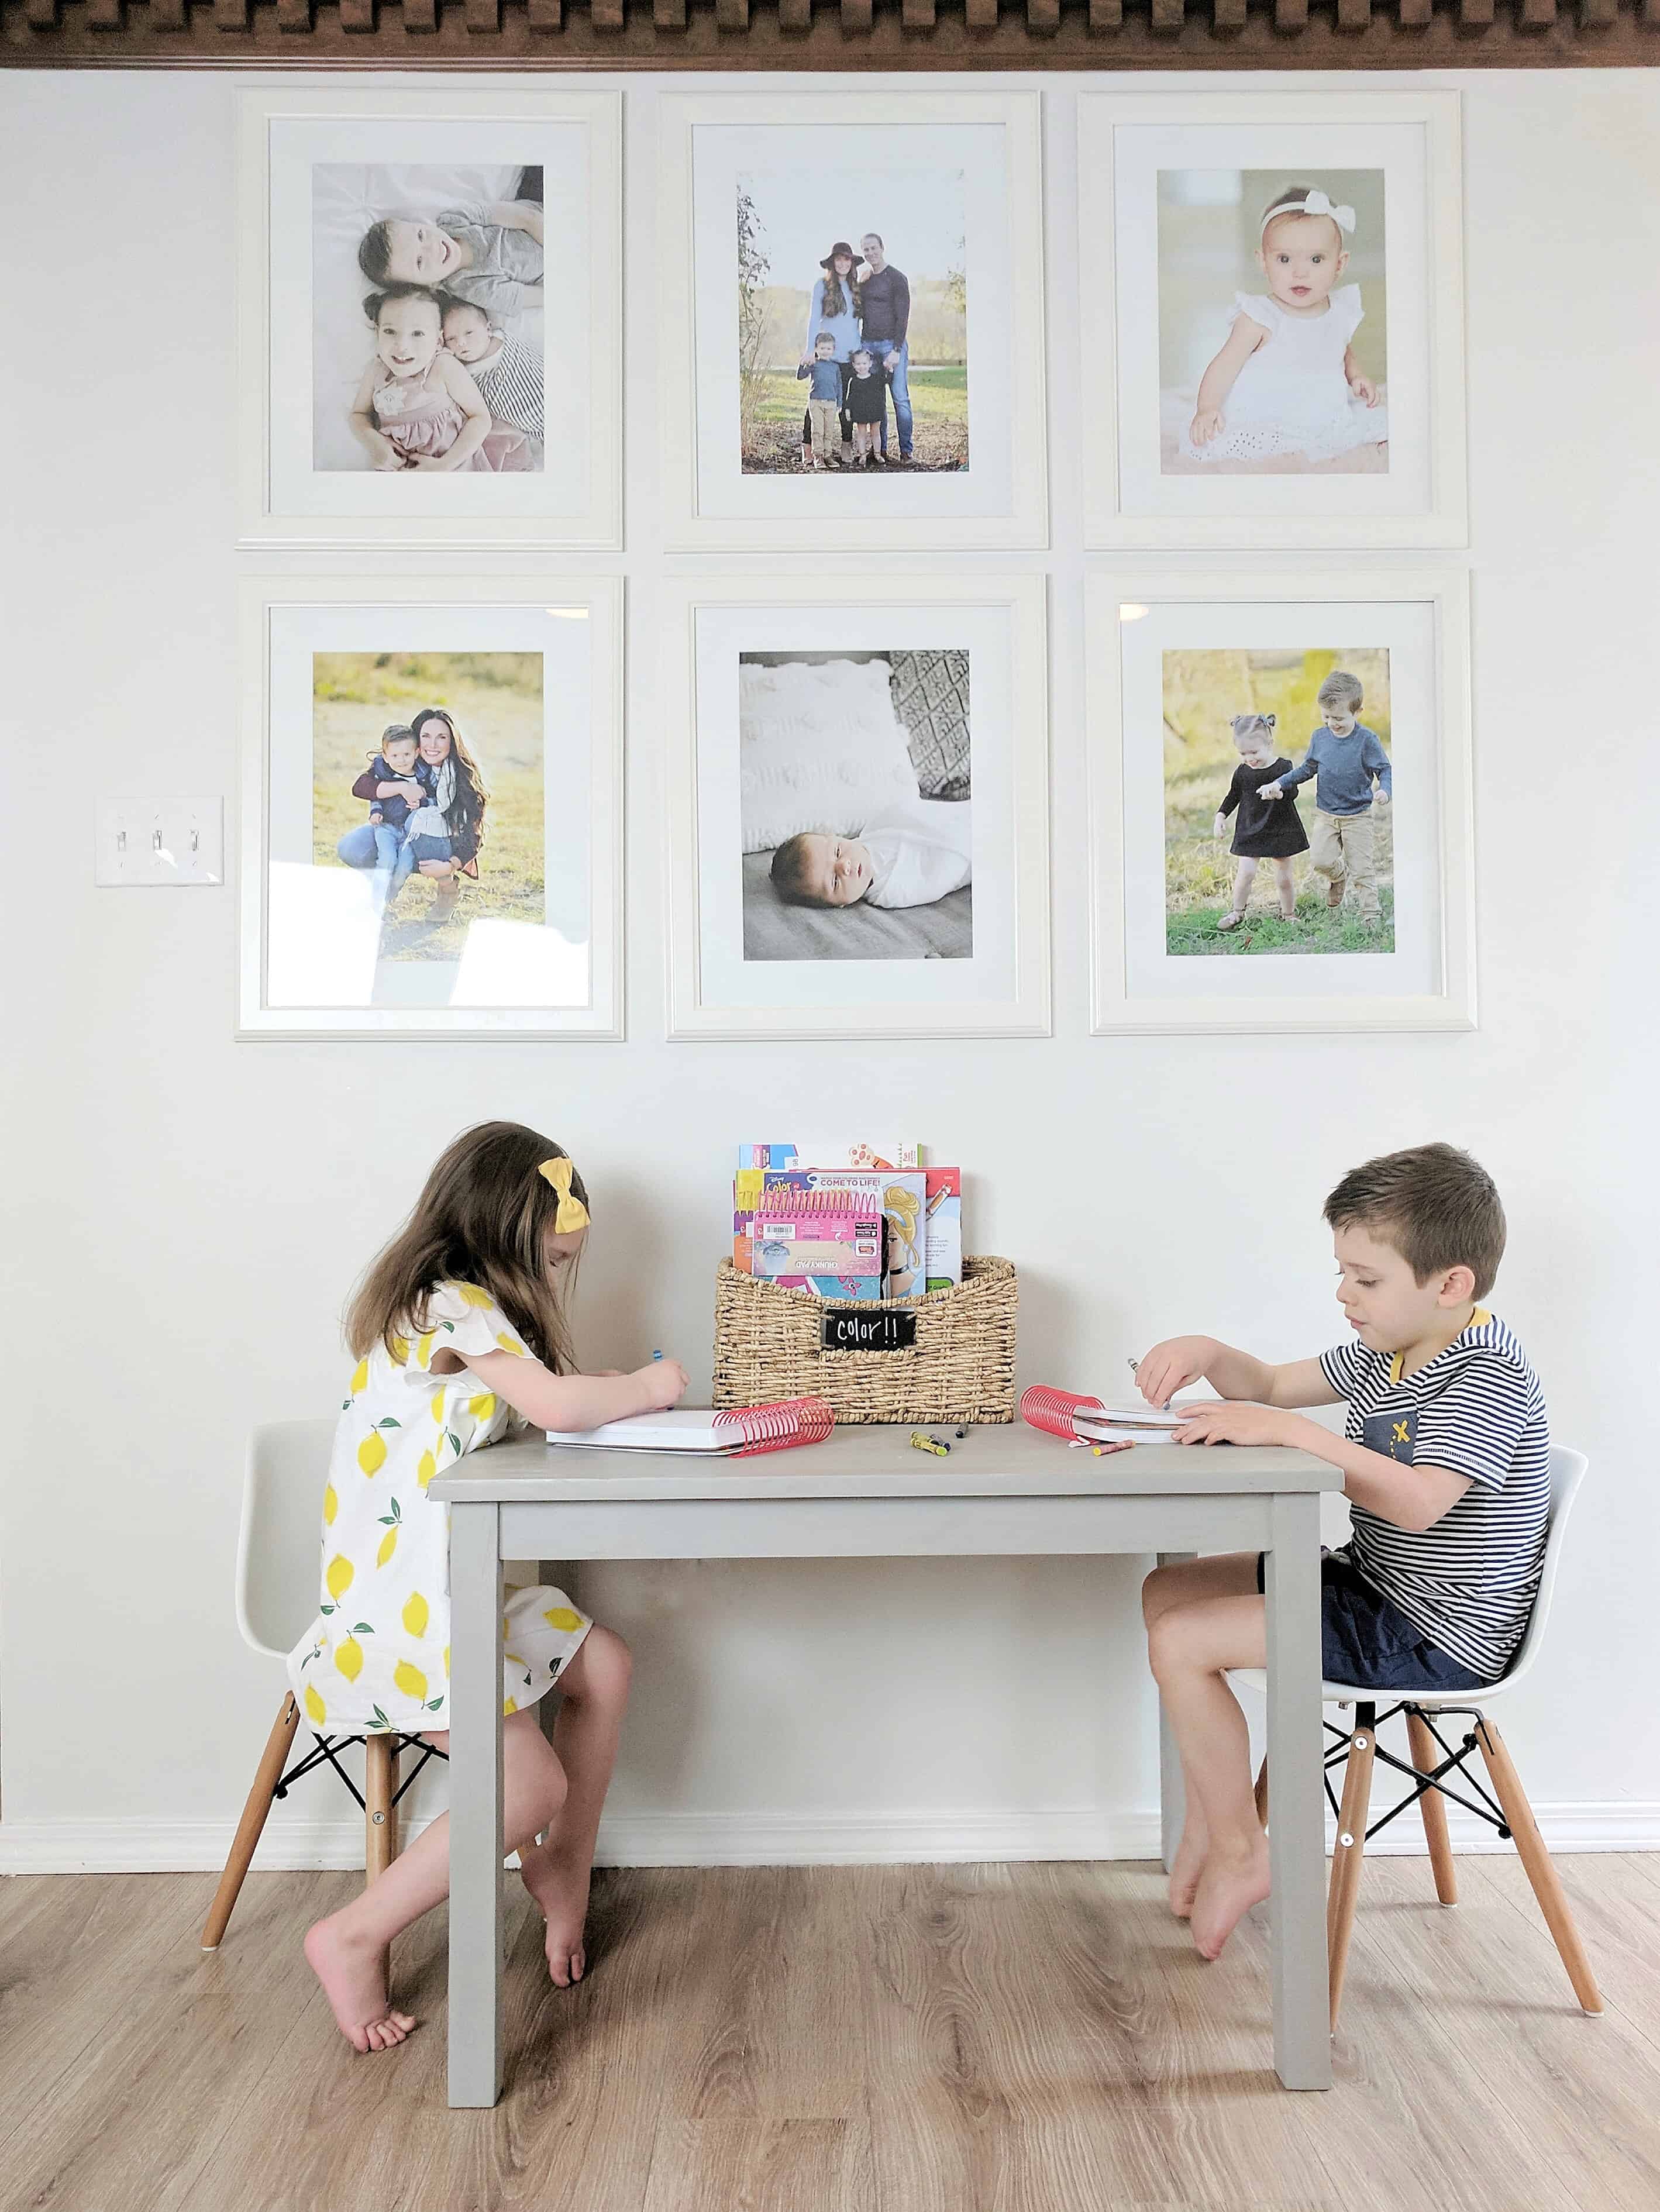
928	2039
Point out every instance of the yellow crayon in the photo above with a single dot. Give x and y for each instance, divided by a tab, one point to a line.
920	1442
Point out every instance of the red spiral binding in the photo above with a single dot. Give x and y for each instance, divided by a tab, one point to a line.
778	1428
1042	1408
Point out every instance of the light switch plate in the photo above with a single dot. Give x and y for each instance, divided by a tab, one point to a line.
146	842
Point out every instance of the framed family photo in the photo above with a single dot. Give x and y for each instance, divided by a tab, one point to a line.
1281	801
851	320
859	805
430	318
431	806
1272	318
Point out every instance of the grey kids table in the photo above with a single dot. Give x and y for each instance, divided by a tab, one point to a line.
864	1494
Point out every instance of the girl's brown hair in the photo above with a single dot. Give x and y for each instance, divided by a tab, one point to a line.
481	1219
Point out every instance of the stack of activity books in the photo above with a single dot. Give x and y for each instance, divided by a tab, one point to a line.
853	1222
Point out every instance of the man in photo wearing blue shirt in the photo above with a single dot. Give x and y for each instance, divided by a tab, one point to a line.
1350	761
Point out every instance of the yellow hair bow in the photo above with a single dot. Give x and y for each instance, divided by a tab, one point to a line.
572	1214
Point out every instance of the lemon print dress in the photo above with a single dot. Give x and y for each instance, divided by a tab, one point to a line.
377	1657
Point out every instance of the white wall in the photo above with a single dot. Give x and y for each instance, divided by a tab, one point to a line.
186	1211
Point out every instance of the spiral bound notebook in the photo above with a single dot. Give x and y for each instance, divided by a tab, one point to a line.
739	1433
1090	1420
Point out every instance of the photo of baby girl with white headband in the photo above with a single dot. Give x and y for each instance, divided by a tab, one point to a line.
1287	375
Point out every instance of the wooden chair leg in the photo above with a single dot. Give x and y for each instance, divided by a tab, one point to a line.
1433	1808
1530	1845
250	1828
1262	1791
380	1814
1346	1855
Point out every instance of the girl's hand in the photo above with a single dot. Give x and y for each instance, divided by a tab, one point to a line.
1364	388
1234	1422
439	462
387	459
1206	425
662	1383
1219	827
1171	1365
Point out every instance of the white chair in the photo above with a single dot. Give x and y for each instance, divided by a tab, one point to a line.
1505	1808
277	1559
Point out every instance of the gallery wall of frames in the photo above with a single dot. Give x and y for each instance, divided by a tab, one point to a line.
853	333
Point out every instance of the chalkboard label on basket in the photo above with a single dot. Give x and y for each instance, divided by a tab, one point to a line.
847	1329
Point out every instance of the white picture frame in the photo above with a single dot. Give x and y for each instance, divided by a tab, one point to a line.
300	327
313	952
1420	617
718	987
994	143
1125	140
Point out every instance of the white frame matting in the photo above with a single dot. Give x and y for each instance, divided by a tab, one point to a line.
1124	138
404	597
1423	616
353	509
709	503
1003	990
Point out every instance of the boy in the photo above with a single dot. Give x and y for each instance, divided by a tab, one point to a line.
906	856
509	377
1445	1459
1348	758
867	409
823	402
389	811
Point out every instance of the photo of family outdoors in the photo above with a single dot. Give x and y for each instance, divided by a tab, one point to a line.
855	790
852	319
1272	345
1278	801
427	318
428	780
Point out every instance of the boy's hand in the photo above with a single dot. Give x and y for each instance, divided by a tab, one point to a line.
1234	1422
1270	791
663	1383
1382	796
1171	1365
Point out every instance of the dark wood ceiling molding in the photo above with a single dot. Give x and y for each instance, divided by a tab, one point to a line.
837	34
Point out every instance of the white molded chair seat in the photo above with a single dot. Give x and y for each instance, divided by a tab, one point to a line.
1507	1809
276	1587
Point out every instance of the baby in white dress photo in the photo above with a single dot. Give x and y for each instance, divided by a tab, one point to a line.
1285	389
907	855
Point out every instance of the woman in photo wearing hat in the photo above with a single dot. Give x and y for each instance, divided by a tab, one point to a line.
835	313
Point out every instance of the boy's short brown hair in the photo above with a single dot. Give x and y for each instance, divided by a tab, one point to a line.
1434	1204
789	867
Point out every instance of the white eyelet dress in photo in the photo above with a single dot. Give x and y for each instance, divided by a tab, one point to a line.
1291	395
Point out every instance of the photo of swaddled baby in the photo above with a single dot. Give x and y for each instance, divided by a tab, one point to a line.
856	796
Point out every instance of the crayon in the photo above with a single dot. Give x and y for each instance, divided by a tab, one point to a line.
920	1442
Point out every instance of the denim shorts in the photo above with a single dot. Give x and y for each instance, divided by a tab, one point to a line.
1366	1639
428	848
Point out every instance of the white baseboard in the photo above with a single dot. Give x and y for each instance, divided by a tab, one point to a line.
870	1838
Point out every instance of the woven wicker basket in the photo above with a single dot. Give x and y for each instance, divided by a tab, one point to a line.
768	1346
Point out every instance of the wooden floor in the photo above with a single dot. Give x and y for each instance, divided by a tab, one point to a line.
1020	2039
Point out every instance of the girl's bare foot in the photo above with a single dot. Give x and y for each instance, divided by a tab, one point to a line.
352	1970
1185	1875
1229	1886
561	1891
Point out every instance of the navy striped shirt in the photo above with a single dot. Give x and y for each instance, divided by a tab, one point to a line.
511	387
1475	1409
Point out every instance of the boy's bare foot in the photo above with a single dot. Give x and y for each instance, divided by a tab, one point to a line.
1185	1875
561	1891
353	1979
1228	1887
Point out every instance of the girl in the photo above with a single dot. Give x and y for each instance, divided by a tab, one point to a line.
1267	829
458	1330
835	310
490	255
417	406
1287	382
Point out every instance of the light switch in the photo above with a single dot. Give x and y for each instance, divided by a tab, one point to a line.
143	842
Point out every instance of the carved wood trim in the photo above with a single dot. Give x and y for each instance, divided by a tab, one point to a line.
839	34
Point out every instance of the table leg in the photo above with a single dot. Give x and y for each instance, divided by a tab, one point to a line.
476	1842
1297	1839
1172	1792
